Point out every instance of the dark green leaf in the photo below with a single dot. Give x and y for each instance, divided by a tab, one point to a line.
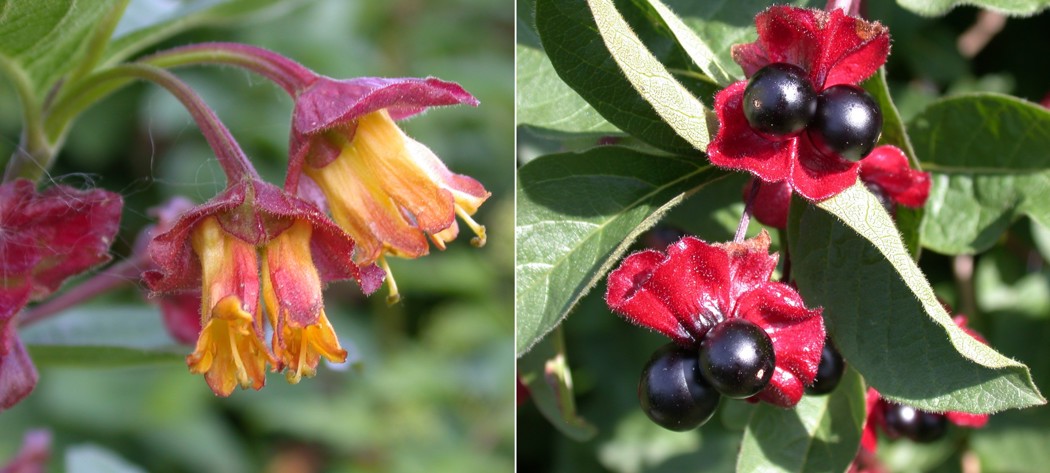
113	336
882	314
545	371
821	433
699	51
1010	7
582	60
577	214
675	105
544	101
990	159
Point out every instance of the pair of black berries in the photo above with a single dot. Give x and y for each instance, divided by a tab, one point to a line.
843	120
681	387
918	426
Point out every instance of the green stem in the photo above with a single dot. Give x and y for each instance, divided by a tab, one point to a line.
288	74
99	40
34	154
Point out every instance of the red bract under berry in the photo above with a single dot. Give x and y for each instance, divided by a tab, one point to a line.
887	169
686	291
832	49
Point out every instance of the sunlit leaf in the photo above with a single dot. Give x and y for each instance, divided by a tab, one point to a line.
885	319
577	214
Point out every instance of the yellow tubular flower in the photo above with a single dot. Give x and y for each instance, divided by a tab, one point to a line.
230	349
292	293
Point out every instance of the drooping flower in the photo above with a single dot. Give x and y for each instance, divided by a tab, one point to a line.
832	49
388	191
254	243
33	456
45	238
692	287
885	172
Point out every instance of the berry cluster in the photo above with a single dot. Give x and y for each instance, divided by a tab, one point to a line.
918	426
680	387
843	120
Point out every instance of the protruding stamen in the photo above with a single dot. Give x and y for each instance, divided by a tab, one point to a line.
394	296
479	230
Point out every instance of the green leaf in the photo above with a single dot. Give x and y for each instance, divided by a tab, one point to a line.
94	459
673	103
580	57
990	159
821	433
881	312
577	214
545	371
147	22
42	40
544	101
699	51
1009	7
95	336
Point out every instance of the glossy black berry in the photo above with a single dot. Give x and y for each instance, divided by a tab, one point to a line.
779	101
672	392
737	358
847	123
829	371
919	426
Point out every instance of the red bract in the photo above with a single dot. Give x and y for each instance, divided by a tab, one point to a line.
46	238
885	171
694	286
833	49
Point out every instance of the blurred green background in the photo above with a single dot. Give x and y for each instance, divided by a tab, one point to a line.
431	389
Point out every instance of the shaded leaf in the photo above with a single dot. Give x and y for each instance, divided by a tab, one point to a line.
545	371
822	433
94	459
544	101
885	319
990	159
577	214
93	336
699	51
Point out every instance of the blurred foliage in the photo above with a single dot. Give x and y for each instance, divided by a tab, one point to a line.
430	384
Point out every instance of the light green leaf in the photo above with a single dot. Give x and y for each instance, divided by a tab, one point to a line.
577	214
42	40
1009	7
990	159
544	101
820	434
686	115
545	371
883	316
699	51
95	336
147	22
94	459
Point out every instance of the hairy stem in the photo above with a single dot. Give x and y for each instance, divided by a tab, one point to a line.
745	218
124	272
